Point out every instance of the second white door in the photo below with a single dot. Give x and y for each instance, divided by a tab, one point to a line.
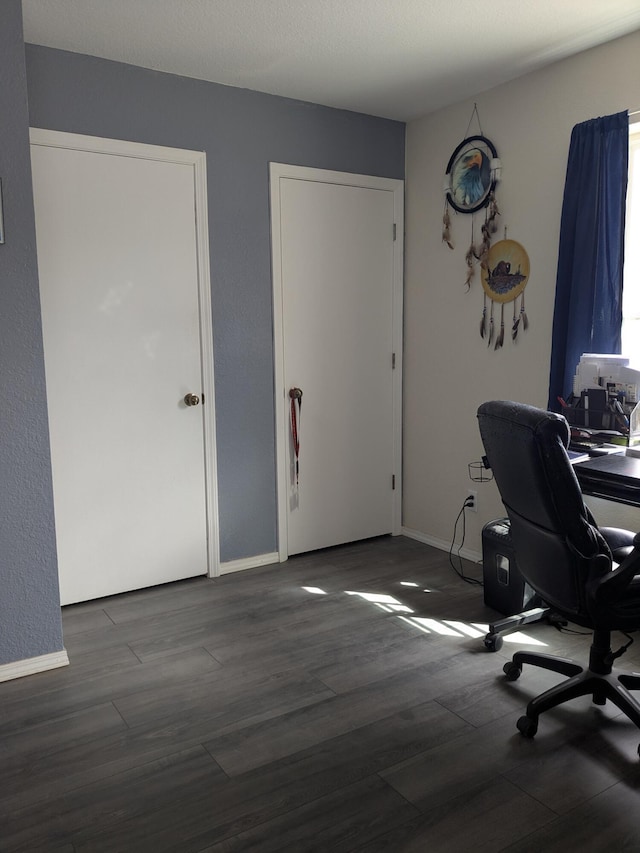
337	309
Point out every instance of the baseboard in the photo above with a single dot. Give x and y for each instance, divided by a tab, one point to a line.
30	666
249	563
441	544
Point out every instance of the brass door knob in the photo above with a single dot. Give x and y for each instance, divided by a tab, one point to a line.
191	399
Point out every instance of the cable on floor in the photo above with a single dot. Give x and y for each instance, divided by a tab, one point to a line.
460	571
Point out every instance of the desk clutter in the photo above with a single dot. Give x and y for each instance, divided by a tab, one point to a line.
603	410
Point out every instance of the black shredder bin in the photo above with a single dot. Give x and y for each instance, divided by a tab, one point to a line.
505	590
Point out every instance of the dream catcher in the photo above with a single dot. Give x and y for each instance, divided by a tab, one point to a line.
472	173
504	278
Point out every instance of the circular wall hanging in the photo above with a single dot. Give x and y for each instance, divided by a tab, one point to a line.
471	172
504	278
507	271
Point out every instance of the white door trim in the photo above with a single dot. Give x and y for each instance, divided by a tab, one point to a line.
283	170
197	159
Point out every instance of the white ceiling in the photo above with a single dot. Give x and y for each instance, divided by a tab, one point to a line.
395	58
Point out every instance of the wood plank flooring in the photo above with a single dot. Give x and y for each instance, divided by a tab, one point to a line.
338	702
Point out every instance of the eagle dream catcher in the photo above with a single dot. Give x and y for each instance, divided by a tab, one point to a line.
472	173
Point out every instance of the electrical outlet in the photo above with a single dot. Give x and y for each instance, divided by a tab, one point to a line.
471	501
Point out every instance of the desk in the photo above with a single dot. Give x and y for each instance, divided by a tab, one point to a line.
615	478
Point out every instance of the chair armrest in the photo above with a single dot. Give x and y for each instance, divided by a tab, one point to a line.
606	586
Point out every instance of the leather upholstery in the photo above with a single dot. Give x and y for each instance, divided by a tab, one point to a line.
561	552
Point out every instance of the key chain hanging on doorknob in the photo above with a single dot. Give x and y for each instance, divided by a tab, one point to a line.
295	396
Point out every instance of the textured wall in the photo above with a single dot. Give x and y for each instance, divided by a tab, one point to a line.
530	121
29	602
241	131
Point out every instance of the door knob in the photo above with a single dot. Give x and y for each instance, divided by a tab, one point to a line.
191	399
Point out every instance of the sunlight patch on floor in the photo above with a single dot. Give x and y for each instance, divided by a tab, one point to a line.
469	630
413	584
375	597
385	602
443	627
435	626
516	637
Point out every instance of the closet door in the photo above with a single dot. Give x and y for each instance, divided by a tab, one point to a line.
119	278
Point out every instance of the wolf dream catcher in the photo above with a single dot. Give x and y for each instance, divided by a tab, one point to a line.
504	279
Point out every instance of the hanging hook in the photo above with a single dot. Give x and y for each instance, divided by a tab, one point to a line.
475	113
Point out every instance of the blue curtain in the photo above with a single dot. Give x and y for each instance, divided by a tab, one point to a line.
588	305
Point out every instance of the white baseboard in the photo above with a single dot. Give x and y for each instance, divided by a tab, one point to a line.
249	563
269	559
29	666
427	539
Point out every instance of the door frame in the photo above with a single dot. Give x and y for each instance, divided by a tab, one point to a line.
396	186
197	160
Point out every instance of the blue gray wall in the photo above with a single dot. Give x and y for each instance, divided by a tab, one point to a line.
29	601
240	131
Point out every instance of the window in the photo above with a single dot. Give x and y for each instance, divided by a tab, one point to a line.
631	285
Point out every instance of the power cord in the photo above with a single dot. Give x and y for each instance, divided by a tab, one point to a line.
561	625
611	657
460	571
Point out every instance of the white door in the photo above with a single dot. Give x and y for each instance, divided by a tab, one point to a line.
337	286
121	266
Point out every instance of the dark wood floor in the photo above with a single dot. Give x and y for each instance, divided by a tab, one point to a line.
308	707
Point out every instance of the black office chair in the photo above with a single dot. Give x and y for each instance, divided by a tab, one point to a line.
585	573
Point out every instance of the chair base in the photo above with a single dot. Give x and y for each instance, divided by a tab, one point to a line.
493	640
598	680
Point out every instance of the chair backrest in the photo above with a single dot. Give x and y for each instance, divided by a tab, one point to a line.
552	530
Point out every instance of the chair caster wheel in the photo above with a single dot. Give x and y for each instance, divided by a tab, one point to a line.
512	670
493	642
527	727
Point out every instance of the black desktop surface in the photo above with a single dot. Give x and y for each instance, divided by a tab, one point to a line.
614	466
615	476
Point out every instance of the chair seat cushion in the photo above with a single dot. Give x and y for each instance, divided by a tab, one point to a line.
620	542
